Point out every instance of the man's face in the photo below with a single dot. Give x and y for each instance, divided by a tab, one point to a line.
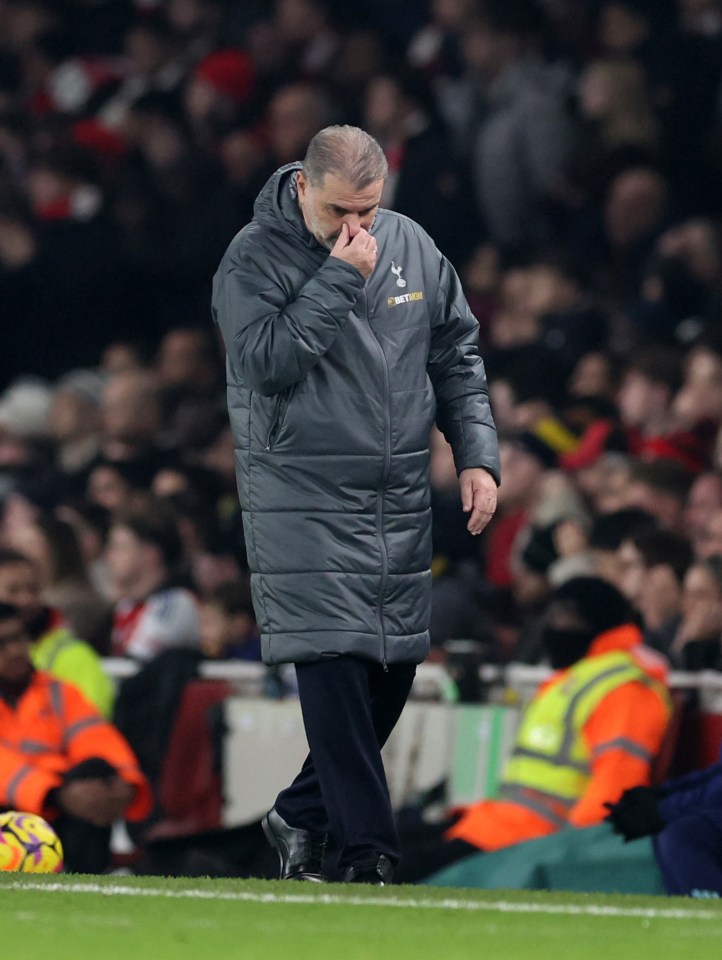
125	558
711	543
20	586
384	107
639	399
703	500
217	629
333	202
71	417
665	507
631	571
701	595
15	665
107	488
180	358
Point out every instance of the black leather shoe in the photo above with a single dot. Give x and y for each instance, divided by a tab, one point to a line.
299	851
378	871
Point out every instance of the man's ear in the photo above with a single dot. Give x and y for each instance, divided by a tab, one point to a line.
302	184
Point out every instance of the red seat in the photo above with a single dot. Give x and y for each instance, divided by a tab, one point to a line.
190	784
710	739
667	761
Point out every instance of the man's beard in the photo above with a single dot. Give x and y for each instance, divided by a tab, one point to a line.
314	228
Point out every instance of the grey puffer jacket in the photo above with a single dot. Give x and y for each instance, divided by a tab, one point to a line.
333	386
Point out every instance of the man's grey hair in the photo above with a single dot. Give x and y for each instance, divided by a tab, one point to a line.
347	152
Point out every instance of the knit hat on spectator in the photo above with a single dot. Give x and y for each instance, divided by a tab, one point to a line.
230	72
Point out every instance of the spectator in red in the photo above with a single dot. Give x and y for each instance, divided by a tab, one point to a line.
153	611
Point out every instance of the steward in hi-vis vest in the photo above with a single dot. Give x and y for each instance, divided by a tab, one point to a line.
592	729
50	728
68	658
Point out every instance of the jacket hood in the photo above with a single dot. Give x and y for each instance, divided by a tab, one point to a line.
277	208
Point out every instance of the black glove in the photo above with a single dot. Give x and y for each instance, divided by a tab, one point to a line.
636	813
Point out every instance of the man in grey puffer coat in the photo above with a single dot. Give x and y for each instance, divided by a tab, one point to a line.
346	334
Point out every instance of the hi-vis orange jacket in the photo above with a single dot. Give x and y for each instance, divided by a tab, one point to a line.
590	732
50	729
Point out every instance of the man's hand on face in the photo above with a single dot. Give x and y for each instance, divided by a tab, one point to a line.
359	251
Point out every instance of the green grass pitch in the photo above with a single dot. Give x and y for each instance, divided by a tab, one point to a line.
134	918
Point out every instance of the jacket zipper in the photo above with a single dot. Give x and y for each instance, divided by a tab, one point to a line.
277	419
381	490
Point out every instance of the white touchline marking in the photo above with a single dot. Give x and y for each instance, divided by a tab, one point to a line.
502	906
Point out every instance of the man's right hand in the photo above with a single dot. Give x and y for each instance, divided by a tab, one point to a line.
100	801
359	251
636	813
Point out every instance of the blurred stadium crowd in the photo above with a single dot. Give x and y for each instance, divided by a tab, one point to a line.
565	155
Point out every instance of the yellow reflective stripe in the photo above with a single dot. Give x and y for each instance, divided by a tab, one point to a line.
565	706
550	753
63	639
590	696
556	760
633	675
566	770
540	774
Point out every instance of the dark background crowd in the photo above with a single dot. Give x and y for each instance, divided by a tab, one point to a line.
565	155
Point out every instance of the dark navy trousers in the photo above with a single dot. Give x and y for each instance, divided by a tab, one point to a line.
350	706
689	855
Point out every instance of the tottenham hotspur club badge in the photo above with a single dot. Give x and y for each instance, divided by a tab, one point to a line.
400	282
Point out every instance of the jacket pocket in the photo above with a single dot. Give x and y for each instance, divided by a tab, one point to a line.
279	415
